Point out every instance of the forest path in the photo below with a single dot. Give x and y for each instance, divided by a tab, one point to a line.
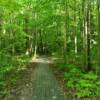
44	85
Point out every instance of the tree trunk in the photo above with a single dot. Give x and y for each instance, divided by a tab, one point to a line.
89	36
98	7
66	31
75	31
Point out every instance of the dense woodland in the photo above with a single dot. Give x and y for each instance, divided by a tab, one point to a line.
67	29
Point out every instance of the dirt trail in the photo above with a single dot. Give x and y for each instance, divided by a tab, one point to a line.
43	85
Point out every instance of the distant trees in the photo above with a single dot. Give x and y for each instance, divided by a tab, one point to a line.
65	28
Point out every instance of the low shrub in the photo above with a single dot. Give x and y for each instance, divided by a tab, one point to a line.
85	84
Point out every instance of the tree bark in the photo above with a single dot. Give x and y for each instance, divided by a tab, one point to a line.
98	8
89	36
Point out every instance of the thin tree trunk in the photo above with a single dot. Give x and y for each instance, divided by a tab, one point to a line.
66	31
35	48
98	7
75	31
88	36
35	34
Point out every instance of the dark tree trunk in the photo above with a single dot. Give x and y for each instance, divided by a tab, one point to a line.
89	36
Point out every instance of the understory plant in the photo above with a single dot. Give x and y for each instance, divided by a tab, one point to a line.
85	84
9	67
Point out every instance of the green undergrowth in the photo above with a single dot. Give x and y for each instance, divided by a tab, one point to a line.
9	67
85	84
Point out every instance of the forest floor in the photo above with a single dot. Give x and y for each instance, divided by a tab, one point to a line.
39	81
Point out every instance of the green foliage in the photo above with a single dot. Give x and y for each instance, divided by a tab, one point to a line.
55	27
8	69
85	84
4	60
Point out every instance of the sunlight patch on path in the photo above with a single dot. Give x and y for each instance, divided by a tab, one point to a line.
41	60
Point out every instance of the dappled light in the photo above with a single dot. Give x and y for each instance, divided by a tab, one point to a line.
41	60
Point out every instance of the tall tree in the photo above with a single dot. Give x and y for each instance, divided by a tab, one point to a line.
88	35
98	8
